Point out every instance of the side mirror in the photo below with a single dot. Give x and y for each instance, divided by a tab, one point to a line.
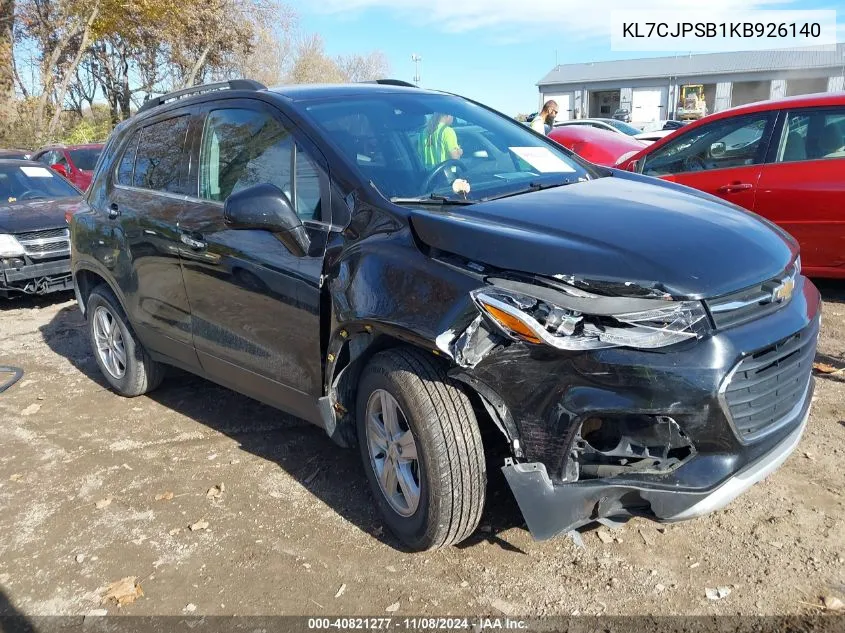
59	169
717	149
265	207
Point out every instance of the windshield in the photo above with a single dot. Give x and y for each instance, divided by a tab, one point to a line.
85	158
32	182
623	127
423	145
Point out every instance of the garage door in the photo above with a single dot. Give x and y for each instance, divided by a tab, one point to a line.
648	104
564	104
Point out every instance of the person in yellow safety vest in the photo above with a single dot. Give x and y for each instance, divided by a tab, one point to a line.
438	142
545	117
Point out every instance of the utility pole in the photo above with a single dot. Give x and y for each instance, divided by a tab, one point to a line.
416	59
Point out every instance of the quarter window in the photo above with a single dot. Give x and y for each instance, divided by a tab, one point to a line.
809	135
127	163
736	142
158	164
242	148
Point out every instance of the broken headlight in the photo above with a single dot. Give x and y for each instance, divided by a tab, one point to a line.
577	320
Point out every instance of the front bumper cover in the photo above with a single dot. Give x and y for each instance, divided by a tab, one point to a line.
36	278
550	510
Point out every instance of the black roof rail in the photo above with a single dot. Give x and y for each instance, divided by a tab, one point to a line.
391	82
232	84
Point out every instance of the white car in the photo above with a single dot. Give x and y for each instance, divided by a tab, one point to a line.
612	125
654	135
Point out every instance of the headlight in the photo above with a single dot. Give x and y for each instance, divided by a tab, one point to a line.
9	246
577	320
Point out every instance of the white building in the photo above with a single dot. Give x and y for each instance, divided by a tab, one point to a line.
650	88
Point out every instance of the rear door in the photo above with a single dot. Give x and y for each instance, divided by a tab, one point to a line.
724	157
802	186
143	208
255	305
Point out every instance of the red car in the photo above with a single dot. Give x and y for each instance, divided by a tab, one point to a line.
74	162
782	159
601	147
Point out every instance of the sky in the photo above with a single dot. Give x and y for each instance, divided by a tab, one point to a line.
495	51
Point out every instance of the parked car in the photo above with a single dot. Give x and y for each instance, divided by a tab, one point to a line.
74	162
622	114
674	125
596	145
34	239
652	136
21	154
610	125
783	159
638	348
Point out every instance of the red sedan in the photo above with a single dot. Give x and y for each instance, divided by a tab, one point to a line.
595	145
74	162
782	159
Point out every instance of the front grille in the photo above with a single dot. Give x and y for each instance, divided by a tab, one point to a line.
42	235
47	243
752	303
766	386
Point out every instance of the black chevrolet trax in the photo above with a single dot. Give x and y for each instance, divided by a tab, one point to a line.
407	268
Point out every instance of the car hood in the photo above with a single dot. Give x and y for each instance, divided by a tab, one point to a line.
626	227
35	215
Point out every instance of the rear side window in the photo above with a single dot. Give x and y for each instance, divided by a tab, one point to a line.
159	157
812	135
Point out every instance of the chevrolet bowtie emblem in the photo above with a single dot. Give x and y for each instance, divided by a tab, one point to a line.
784	291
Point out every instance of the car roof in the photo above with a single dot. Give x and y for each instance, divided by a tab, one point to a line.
308	92
81	146
20	161
596	135
798	101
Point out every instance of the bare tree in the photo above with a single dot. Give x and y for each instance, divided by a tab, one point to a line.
373	65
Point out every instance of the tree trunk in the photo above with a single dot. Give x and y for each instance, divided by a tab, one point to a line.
7	51
71	69
192	76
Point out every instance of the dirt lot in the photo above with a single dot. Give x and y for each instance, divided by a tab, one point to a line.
83	472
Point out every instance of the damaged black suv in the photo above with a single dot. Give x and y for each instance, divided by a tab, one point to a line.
404	267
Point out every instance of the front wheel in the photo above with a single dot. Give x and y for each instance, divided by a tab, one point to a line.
421	449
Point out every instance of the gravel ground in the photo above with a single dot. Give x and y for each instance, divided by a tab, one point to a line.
95	488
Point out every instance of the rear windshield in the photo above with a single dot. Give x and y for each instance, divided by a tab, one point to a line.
85	158
19	182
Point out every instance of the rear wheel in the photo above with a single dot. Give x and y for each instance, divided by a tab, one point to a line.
421	449
123	361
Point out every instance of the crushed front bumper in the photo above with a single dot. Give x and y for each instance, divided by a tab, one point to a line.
549	510
22	276
545	400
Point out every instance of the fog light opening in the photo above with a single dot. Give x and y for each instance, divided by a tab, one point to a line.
629	444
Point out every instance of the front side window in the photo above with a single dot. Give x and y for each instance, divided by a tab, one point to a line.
415	145
736	142
158	164
242	148
812	135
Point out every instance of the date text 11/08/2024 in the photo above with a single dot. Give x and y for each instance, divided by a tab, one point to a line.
418	624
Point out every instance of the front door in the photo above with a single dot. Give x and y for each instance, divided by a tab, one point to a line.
723	158
143	204
255	305
803	188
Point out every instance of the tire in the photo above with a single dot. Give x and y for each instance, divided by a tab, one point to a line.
450	468
140	373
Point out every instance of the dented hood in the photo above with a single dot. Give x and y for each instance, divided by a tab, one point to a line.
624	228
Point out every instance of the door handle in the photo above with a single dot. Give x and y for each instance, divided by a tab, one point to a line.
114	211
197	245
734	187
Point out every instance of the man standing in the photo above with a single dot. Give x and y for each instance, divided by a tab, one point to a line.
546	117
